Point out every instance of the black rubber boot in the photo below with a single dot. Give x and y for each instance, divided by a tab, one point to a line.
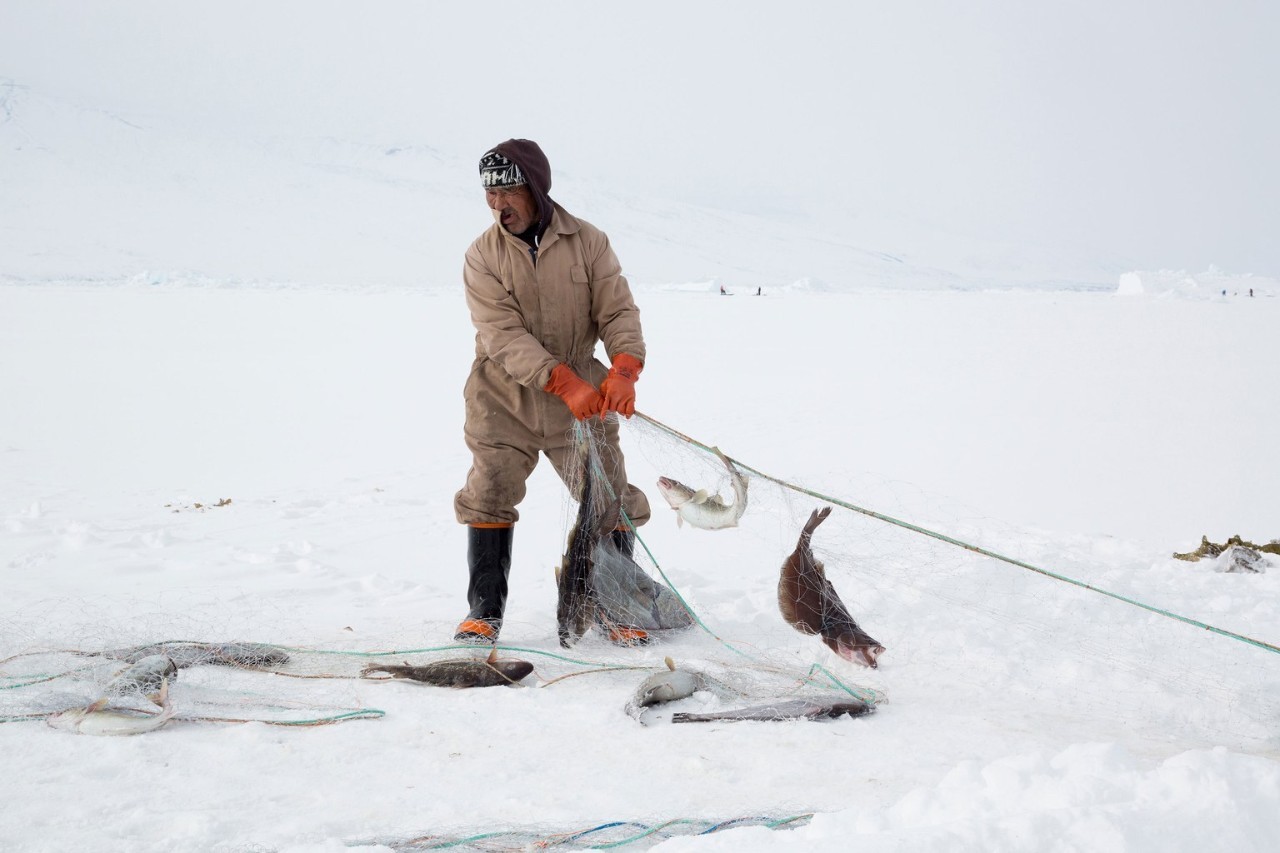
489	560
625	541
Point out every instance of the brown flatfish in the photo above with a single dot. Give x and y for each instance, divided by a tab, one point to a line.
811	605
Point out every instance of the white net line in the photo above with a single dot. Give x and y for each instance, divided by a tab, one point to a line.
970	622
954	623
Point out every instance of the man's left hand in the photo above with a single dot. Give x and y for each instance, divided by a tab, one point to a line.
619	387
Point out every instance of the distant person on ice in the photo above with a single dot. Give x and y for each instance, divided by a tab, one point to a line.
543	287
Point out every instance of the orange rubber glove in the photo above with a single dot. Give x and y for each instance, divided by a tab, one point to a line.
579	395
619	387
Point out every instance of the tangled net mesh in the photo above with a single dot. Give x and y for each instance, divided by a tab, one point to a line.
956	623
929	602
1044	636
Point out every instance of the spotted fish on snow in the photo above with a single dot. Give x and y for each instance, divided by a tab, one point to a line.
99	719
791	709
457	672
810	604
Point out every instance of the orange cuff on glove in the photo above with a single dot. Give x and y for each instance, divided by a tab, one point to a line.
579	395
619	387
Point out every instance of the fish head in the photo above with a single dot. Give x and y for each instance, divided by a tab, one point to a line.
862	651
513	670
674	492
157	667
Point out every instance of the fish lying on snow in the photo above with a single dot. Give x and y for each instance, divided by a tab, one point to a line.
185	654
810	604
146	677
702	509
574	605
668	686
98	719
458	672
791	709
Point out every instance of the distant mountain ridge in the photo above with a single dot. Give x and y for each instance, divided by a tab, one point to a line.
94	194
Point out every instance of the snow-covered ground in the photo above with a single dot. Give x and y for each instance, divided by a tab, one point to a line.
232	348
1083	433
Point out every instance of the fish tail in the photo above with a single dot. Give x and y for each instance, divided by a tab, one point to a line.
682	717
815	518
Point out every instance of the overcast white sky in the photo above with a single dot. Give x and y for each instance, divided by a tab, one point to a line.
1146	130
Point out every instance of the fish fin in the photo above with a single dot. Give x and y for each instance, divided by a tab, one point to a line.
795	601
791	613
96	705
788	608
700	497
671	665
679	521
161	696
493	656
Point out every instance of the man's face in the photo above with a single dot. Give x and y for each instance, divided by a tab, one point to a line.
513	207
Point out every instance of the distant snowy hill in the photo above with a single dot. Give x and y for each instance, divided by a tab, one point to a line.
92	194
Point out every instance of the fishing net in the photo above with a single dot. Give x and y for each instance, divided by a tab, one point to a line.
632	834
1012	630
1069	633
1059	632
630	594
208	686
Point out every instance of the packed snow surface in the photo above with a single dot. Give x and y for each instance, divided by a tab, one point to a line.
1082	433
969	302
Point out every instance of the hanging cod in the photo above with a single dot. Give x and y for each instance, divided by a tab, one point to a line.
701	508
810	604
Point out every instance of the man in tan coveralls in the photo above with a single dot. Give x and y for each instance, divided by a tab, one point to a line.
543	287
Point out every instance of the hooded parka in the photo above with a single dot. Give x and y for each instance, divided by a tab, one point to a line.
536	304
